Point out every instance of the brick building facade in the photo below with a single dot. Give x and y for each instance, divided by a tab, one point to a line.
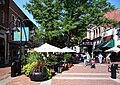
9	12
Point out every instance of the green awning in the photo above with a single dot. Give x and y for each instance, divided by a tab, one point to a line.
109	44
100	45
106	44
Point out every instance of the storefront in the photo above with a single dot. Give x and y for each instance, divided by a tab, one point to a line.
87	44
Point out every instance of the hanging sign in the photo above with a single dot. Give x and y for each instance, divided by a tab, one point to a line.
25	34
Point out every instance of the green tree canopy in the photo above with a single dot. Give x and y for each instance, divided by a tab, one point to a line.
65	21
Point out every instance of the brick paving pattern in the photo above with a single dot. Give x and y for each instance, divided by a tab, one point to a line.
84	75
83	82
76	75
22	80
4	73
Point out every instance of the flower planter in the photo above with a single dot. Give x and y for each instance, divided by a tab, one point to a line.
38	76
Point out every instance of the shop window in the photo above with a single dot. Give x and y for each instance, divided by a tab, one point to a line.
118	32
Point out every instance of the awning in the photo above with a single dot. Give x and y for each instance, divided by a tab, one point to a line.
101	45
106	44
110	44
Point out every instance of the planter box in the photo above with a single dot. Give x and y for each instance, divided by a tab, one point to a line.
38	76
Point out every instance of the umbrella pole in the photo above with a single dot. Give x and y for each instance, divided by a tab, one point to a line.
47	54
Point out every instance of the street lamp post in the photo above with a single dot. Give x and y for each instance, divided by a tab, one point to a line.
22	27
9	33
17	23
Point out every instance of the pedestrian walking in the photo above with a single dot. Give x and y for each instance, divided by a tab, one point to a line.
88	56
100	56
108	58
85	59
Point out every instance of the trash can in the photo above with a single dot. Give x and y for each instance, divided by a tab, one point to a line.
113	70
18	67
13	69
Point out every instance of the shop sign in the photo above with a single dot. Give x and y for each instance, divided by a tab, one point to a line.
25	34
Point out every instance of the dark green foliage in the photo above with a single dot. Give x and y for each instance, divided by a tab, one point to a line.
35	63
65	21
46	69
51	61
67	57
34	57
31	59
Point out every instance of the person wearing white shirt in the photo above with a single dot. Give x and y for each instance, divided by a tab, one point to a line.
100	56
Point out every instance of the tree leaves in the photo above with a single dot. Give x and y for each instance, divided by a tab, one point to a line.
63	19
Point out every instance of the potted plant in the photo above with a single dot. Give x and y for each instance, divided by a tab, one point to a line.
51	62
67	59
36	68
39	72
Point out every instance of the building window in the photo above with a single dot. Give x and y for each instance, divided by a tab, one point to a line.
94	34
118	31
90	35
99	31
2	18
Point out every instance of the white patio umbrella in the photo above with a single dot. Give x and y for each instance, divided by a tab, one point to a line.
47	48
66	49
113	49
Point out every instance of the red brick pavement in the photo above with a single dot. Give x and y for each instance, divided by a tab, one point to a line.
79	68
4	72
83	82
81	75
22	80
19	80
76	75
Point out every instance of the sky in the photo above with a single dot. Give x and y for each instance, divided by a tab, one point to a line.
115	2
20	4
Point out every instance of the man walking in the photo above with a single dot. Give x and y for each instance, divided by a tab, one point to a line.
100	56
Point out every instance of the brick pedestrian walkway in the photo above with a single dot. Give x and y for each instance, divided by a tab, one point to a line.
76	75
4	75
81	75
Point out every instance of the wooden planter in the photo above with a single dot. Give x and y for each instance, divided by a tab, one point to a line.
38	76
